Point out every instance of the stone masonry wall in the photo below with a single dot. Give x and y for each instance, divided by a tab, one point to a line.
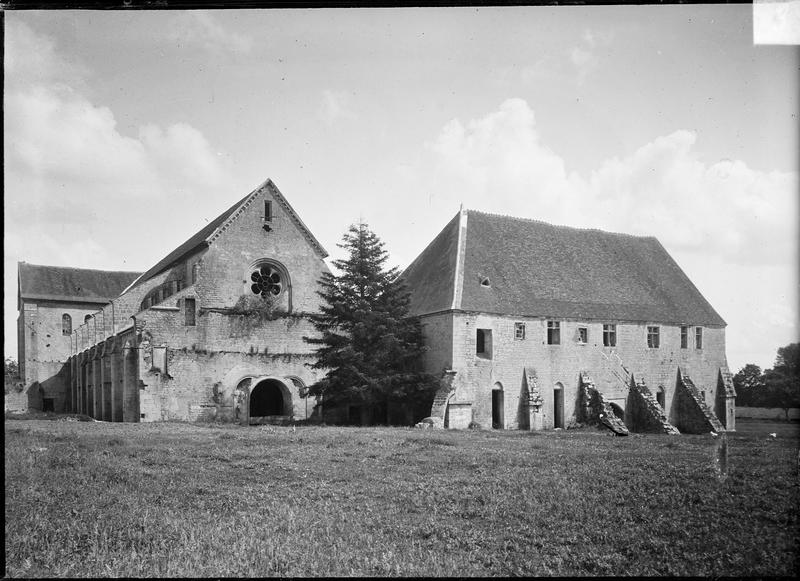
563	363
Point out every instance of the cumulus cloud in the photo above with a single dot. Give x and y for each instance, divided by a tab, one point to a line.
68	169
335	105
198	28
661	189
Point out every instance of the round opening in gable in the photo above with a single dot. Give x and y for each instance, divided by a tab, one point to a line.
266	281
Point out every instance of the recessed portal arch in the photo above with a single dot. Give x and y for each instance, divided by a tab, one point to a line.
270	397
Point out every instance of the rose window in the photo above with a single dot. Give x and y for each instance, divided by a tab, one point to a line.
266	281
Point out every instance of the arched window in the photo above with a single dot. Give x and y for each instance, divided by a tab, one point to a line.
86	318
66	324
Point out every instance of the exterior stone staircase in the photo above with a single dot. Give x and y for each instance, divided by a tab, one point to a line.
596	410
443	394
646	412
696	416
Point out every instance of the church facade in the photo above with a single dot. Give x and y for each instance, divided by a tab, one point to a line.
534	326
212	331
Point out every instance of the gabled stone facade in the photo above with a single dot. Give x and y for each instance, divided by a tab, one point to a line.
193	338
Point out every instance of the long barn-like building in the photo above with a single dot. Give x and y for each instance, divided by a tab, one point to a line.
530	326
536	326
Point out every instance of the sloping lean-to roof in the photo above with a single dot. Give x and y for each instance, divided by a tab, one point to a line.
209	232
37	282
531	268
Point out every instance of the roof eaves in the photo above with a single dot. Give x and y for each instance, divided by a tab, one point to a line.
65	298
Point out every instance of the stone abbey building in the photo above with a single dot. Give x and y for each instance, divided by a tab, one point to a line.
184	340
530	326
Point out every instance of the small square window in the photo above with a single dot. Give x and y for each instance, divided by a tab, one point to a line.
684	337
698	337
609	335
653	337
583	335
519	331
553	332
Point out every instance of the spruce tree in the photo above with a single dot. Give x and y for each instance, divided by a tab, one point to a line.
369	346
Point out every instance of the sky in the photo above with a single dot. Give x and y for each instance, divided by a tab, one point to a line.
127	131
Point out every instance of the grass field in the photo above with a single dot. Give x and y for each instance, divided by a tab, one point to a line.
102	499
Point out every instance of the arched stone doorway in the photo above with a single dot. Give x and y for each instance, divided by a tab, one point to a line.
558	405
270	401
498	407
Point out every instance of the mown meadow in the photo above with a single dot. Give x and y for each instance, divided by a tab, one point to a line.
101	499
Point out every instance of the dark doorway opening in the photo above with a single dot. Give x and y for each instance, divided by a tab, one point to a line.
266	399
497	409
618	411
558	407
660	397
48	404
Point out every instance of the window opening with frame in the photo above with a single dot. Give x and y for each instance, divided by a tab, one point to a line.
519	331
66	324
583	335
483	343
698	337
553	332
189	311
609	335
653	339
684	337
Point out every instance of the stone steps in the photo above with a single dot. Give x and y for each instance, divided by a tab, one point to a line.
596	410
655	413
713	424
446	389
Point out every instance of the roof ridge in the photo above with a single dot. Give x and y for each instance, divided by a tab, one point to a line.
562	226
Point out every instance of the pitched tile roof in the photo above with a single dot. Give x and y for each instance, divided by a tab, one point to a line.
431	276
39	282
206	234
538	269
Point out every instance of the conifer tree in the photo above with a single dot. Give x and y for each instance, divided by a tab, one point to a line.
368	344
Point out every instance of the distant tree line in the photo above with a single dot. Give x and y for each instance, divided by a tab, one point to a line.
778	387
